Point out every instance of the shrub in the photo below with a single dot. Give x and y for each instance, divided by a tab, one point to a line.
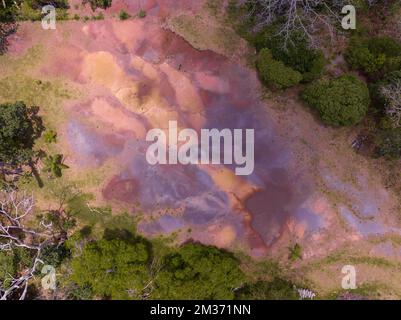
274	72
374	55
113	269
20	126
277	289
104	4
388	143
196	271
342	101
123	15
38	4
50	136
295	53
100	16
142	14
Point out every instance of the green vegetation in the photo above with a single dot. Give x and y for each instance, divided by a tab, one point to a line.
100	16
54	165
142	14
276	289
113	269
50	136
104	4
123	15
295	52
195	271
295	252
20	126
374	56
342	101
275	73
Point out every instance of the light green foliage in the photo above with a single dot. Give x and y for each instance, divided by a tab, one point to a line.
12	262
104	4
54	165
294	53
6	267
342	101
112	268
295	252
274	72
50	136
195	271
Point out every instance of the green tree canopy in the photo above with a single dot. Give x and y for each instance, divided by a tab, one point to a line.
374	56
342	101
274	72
196	271
112	268
276	289
20	126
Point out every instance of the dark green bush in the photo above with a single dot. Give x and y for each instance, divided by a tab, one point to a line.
20	126
277	289
275	73
198	272
342	101
374	55
296	53
388	143
38	4
104	4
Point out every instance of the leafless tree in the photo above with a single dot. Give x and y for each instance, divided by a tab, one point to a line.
16	209
307	16
392	96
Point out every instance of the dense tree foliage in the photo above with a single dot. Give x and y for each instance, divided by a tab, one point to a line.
276	289
38	4
342	101
104	4
296	54
198	272
274	72
113	269
19	127
374	56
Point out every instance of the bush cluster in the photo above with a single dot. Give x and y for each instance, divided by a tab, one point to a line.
295	53
343	101
374	56
274	72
